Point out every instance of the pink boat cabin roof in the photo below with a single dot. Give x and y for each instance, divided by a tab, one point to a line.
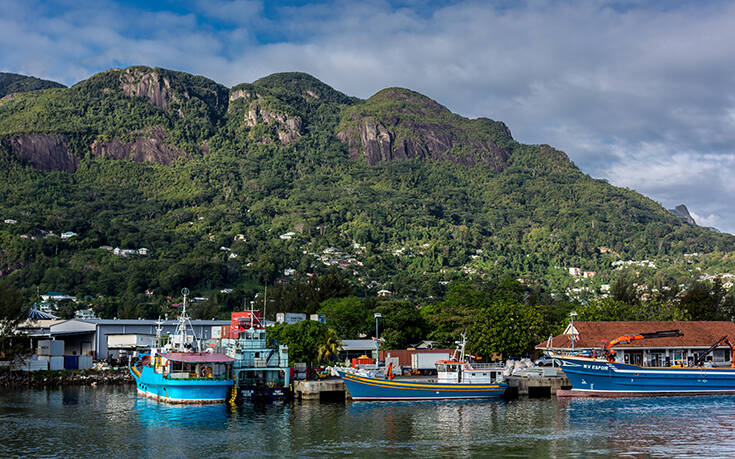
451	362
197	357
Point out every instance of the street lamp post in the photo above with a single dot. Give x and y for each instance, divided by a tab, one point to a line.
377	316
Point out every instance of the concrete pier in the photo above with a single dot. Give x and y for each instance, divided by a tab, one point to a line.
537	386
318	390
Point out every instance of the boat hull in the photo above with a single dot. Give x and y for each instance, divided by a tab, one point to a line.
595	377
364	388
263	393
189	391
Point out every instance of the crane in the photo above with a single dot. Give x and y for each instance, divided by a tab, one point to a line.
699	360
610	354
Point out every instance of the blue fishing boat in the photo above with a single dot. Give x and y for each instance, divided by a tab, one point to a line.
602	376
456	379
176	371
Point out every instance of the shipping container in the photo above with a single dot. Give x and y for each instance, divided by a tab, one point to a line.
71	362
362	361
318	318
293	318
31	365
85	362
56	363
51	347
244	320
130	341
426	360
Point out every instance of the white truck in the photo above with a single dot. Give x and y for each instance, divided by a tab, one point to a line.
425	361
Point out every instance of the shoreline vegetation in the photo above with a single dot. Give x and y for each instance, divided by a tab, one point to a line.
23	379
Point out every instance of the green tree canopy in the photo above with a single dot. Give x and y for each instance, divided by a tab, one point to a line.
13	311
348	316
308	341
506	327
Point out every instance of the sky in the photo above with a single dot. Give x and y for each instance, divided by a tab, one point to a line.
641	93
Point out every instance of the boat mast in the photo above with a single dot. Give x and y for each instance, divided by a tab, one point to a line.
158	331
184	323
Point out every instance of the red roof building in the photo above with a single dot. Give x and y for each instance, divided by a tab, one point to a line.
696	337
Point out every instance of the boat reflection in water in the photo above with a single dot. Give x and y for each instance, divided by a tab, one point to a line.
153	414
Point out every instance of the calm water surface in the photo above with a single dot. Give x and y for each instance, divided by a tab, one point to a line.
94	422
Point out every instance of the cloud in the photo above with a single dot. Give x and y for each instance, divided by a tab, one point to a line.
641	93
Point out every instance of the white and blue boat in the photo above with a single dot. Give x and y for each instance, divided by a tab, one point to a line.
261	369
603	376
178	372
456	379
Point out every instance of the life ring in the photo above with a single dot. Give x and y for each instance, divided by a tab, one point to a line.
206	372
270	384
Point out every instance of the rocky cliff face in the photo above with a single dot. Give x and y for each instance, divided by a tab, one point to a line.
149	147
682	211
137	82
398	124
46	152
288	128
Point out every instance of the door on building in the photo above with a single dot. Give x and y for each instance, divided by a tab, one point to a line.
634	357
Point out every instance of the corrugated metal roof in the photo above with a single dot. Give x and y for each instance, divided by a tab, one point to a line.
152	322
72	327
597	334
358	344
197	357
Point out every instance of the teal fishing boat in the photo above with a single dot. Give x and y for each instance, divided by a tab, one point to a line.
177	371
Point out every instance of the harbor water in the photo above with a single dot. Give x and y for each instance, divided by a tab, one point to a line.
113	421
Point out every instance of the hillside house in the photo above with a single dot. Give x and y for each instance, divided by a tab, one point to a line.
57	296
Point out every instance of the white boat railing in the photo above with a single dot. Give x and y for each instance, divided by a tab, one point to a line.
487	366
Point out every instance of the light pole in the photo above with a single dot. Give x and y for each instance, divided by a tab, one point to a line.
377	316
572	315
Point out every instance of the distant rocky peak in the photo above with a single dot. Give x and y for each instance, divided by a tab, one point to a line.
682	211
147	83
398	124
303	85
402	100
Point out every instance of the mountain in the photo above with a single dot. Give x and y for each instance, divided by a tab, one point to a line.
11	83
230	187
682	211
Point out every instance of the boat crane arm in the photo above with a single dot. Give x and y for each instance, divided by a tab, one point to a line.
700	358
610	354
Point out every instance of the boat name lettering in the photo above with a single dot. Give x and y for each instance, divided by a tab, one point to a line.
595	367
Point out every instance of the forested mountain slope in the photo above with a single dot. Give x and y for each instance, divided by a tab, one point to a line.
11	83
208	179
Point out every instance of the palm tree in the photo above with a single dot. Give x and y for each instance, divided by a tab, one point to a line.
329	347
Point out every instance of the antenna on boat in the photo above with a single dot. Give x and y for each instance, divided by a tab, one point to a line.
181	327
462	345
158	330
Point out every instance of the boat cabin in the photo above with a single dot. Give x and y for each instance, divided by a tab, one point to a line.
452	371
193	365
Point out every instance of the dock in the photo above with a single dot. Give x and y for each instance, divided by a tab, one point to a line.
525	386
326	389
538	386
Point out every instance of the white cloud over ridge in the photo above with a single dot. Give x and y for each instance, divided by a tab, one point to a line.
642	94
